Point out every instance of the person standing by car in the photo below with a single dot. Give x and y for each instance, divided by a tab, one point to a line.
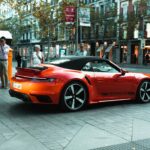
4	49
81	51
37	56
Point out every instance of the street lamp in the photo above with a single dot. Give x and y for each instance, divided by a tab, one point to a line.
77	25
49	33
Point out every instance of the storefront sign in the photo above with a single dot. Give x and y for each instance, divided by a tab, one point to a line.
84	17
70	14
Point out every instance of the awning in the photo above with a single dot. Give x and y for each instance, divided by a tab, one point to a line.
6	34
108	48
100	48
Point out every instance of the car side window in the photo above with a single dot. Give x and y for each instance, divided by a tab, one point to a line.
87	67
103	66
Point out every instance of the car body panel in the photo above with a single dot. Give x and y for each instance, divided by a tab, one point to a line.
45	83
117	87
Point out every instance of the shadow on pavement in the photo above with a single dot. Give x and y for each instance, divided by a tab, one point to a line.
111	104
23	109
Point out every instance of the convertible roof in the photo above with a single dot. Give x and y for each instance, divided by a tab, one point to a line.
71	58
73	62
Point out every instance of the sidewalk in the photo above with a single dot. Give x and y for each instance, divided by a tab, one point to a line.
134	66
113	126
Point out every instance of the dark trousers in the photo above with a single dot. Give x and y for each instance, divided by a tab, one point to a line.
19	63
4	73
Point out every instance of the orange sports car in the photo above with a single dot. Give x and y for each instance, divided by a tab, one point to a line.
74	82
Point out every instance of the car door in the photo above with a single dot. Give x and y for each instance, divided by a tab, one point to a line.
111	83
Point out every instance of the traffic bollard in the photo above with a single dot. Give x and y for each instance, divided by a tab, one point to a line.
10	56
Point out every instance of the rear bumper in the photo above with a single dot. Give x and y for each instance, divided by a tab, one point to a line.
43	99
19	95
36	91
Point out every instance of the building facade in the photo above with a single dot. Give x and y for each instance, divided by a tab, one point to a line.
119	29
134	31
125	36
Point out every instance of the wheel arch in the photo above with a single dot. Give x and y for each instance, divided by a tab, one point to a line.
137	94
71	81
145	79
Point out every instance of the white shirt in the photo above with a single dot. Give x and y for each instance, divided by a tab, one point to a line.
37	57
4	51
81	53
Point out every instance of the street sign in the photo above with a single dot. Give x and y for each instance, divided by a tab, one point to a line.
70	14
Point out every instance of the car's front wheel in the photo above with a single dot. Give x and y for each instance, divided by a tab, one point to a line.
144	92
74	96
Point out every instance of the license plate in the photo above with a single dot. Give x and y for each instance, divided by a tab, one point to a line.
17	85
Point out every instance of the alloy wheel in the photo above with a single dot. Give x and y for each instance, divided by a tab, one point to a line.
75	96
145	91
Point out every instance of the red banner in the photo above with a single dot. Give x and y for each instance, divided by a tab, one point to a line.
70	14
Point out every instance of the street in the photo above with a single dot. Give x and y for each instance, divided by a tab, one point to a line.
105	126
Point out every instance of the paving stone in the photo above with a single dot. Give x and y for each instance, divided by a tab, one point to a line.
22	141
101	126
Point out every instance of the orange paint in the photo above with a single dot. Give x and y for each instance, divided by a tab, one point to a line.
10	56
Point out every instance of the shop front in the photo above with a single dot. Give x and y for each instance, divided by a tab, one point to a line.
134	53
123	51
130	52
146	53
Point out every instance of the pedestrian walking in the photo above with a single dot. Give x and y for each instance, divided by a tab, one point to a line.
4	49
37	56
18	59
82	51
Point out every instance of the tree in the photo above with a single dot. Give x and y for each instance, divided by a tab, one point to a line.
15	23
43	12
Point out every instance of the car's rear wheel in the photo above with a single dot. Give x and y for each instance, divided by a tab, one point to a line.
144	92
74	96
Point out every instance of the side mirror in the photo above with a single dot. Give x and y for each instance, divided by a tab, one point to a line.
123	72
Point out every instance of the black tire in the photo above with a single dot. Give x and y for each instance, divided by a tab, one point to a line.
74	96
144	92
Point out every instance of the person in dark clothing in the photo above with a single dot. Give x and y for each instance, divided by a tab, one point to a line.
18	59
147	58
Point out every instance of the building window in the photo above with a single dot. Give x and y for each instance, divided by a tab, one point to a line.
148	5
102	9
30	35
35	34
136	7
124	7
